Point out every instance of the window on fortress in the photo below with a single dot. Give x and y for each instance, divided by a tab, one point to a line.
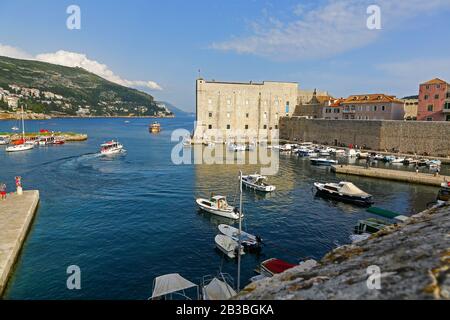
246	127
430	108
246	102
429	119
383	108
436	96
228	115
276	127
246	115
210	114
375	108
210	126
265	126
228	127
426	96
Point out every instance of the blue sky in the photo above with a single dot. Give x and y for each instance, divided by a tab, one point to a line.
323	43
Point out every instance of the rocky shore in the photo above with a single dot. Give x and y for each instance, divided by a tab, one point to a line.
68	136
27	116
413	259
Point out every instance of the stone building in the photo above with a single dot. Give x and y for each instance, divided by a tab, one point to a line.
434	101
314	108
231	109
376	106
410	105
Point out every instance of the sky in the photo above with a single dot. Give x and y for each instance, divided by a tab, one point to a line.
160	46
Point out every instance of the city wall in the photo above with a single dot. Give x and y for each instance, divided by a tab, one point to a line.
419	137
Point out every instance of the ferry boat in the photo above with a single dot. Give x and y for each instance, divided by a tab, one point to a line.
344	191
111	147
155	127
256	182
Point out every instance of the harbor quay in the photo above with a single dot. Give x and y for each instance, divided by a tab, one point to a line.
16	215
395	175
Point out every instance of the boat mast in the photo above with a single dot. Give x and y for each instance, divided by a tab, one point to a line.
23	126
239	233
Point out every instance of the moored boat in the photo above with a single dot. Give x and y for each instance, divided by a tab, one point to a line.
218	288
257	182
344	191
21	145
249	241
155	127
273	266
228	246
322	162
4	140
218	205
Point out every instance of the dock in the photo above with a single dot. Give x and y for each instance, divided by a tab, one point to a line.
16	215
394	175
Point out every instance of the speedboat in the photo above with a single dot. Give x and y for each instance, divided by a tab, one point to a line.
111	147
218	205
322	162
228	246
4	140
218	288
273	266
410	162
434	163
249	241
344	191
256	182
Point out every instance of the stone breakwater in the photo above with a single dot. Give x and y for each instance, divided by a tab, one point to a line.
413	257
68	136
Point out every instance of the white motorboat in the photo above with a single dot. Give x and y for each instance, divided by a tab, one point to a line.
249	241
351	153
46	140
322	162
218	205
228	246
344	191
218	288
362	155
307	153
256	182
378	157
398	160
4	140
112	147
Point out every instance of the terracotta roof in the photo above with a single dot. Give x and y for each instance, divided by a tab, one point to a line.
371	98
435	81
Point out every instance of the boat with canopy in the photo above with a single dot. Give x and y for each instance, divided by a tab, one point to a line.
166	286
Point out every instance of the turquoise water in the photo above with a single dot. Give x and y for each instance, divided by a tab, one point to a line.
126	220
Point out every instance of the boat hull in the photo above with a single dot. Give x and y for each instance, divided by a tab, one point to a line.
365	202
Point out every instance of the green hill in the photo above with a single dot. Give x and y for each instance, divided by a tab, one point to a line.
77	87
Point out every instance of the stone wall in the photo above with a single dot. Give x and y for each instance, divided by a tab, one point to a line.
404	136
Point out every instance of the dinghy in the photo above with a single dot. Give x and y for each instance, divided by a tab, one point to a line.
256	182
218	205
228	246
344	191
249	241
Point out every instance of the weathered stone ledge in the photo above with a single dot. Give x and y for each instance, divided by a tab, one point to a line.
413	257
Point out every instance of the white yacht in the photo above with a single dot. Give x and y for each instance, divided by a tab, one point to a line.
111	147
218	205
22	146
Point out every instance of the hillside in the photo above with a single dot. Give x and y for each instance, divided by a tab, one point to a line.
49	88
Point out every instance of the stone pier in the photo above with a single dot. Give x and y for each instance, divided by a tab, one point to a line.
395	175
16	215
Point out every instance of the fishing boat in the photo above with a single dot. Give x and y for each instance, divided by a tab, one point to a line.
257	182
155	127
273	266
228	246
219	287
218	205
322	162
22	146
344	191
250	242
110	148
46	140
168	285
434	163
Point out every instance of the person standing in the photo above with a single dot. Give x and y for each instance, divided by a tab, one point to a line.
3	191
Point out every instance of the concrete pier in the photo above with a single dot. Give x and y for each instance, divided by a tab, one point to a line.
16	214
395	175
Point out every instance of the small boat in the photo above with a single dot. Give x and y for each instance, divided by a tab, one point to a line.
171	284
324	153
344	191
228	246
46	140
378	157
351	153
444	193
370	225
339	152
388	158
422	162
273	266
258	278
4	140
155	127
322	162
410	162
287	147
59	141
362	155
434	163
398	160
218	205
249	241
218	288
236	147
256	182
307	153
15	128
20	147
110	148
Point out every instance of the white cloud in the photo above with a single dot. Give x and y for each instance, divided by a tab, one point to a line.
73	59
335	27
